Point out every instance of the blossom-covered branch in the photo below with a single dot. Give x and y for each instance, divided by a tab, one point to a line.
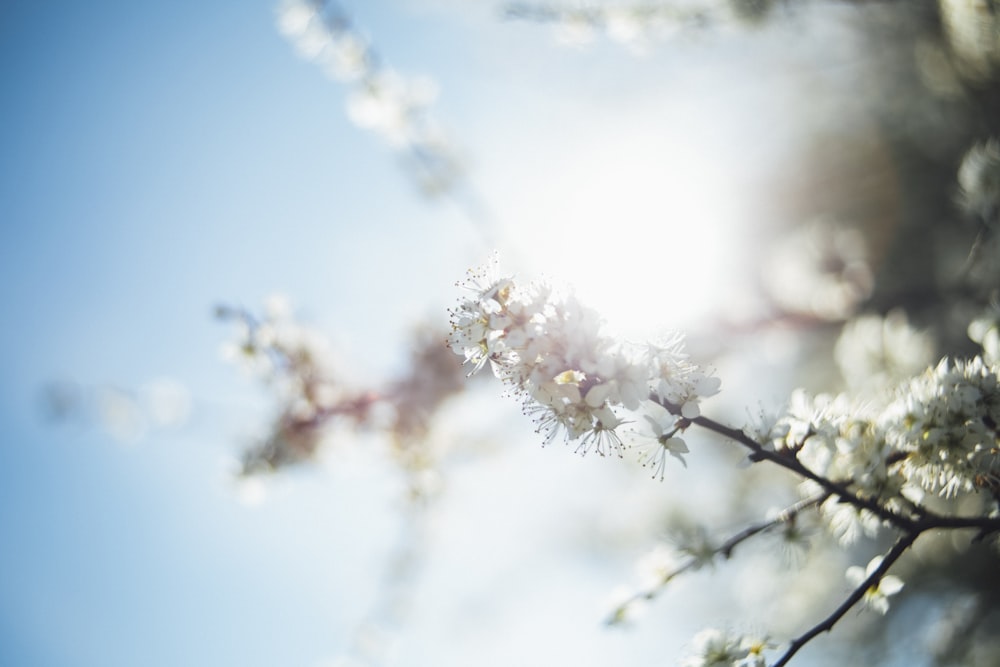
298	365
574	380
863	465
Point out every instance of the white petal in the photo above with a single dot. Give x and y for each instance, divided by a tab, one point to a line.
690	410
890	585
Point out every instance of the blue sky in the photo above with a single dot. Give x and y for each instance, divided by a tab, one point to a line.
159	158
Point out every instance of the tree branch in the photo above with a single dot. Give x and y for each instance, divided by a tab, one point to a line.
725	550
901	545
794	465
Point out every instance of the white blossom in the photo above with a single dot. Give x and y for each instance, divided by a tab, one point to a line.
665	441
877	595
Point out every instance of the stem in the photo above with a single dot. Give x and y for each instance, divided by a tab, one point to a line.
794	465
922	520
925	521
901	545
786	515
725	549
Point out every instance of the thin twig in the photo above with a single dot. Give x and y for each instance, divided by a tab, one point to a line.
796	466
901	545
725	550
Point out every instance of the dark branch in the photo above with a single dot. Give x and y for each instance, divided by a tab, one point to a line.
794	465
901	545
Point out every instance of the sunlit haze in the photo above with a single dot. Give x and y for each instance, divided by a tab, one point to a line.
636	222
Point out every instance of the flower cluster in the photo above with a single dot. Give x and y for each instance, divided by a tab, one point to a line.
945	421
935	434
574	379
295	360
296	363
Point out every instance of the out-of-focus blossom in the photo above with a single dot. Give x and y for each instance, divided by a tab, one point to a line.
381	99
979	182
985	330
297	364
973	33
127	415
873	350
820	269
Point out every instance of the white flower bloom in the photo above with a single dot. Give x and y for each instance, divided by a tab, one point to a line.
877	595
663	431
768	428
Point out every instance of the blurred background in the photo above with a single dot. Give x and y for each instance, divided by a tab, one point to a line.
686	166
